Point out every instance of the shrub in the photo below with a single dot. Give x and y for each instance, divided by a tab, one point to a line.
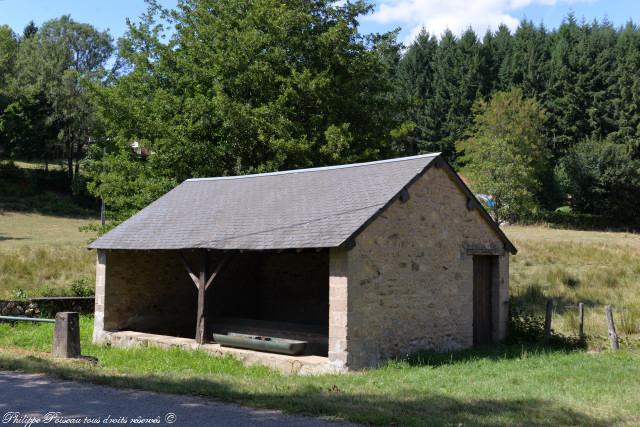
524	326
82	287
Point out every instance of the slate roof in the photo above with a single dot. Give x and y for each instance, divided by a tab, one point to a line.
305	208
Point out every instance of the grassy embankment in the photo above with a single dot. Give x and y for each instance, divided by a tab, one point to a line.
40	254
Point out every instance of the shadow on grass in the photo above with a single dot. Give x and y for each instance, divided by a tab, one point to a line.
3	238
312	398
536	302
497	352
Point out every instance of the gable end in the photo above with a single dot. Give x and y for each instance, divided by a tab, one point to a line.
404	194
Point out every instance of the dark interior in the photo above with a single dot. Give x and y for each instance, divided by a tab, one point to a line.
277	294
280	294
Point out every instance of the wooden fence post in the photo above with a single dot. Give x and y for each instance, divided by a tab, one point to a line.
581	321
613	336
547	320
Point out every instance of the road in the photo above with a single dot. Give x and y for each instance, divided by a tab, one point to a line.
26	399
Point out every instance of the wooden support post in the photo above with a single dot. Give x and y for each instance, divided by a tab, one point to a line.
201	317
581	321
613	336
547	320
66	335
202	284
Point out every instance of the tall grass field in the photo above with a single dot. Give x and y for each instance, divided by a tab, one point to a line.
42	254
595	268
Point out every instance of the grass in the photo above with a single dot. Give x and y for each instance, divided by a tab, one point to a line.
595	268
27	187
497	386
28	164
41	253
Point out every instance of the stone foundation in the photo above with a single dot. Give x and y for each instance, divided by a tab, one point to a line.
302	365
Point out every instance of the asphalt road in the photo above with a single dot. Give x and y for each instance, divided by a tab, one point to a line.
26	399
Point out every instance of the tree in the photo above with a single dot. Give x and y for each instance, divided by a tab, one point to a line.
444	105
497	51
126	183
627	75
8	49
415	86
252	85
499	169
528	65
602	178
505	155
53	67
29	30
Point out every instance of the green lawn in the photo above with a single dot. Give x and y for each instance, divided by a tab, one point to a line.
499	386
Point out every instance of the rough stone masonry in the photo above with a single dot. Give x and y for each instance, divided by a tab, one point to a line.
407	284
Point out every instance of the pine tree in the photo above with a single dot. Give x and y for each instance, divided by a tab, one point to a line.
627	75
416	87
528	66
457	82
599	62
565	97
497	51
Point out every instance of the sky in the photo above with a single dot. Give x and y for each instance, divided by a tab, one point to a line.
409	15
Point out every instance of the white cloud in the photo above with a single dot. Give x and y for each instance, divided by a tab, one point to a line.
456	15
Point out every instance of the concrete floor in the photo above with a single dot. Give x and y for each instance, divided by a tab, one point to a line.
303	365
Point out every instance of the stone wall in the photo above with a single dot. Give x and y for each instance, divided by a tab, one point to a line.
408	282
18	308
46	307
144	291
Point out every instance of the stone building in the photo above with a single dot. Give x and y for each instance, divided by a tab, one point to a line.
364	261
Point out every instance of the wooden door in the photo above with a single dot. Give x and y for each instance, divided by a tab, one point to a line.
482	299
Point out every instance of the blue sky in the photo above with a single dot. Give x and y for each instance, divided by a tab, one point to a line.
410	15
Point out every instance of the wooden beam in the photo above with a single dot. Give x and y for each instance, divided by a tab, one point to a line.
481	250
186	266
581	321
218	269
201	320
350	243
404	195
470	204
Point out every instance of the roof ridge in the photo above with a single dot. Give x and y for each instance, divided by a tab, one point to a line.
316	169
